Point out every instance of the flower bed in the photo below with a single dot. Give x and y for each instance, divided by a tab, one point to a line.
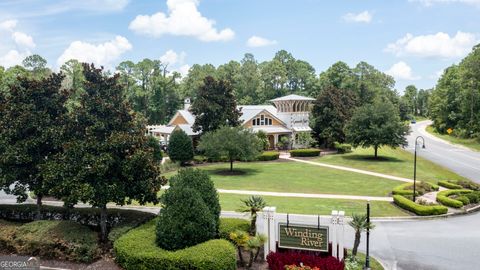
278	261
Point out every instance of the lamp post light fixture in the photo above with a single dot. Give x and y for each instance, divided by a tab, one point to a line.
415	165
367	257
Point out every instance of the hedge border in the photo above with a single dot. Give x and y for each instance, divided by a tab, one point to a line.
421	210
442	197
311	152
400	190
268	156
137	250
448	184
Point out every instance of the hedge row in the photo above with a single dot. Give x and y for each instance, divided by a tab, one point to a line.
305	152
442	197
404	189
342	148
118	220
448	184
50	239
228	225
268	155
421	210
137	250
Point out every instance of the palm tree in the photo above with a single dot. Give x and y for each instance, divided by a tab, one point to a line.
359	224
253	205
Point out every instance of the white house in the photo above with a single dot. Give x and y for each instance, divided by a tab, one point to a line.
288	116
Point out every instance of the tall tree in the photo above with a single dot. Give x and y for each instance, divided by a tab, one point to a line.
330	113
375	125
215	106
195	79
37	65
249	83
410	97
31	116
180	147
106	157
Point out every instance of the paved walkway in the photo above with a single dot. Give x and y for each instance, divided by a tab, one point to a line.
301	195
349	169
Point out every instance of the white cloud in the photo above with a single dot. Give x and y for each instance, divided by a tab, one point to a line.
171	57
402	71
437	74
100	54
183	70
256	41
437	45
428	3
183	19
8	25
12	58
23	39
362	17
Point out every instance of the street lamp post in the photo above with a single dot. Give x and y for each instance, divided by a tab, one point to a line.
415	165
367	257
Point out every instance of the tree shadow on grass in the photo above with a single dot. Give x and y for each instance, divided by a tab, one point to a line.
235	172
372	158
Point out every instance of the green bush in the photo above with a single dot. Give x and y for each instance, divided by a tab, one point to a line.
343	148
268	155
180	146
464	199
185	220
118	220
228	225
473	197
200	181
153	143
421	188
467	184
305	152
421	210
52	239
7	232
443	197
136	250
199	159
448	184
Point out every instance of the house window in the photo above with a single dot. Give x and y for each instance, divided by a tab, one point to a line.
269	121
254	122
262	120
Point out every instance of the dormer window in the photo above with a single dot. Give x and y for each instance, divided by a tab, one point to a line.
262	120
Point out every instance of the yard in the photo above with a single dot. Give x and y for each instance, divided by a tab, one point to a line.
296	177
397	162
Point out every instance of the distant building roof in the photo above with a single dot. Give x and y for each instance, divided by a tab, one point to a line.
162	129
249	111
188	116
271	129
292	97
187	129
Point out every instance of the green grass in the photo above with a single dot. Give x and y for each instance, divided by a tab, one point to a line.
397	162
473	144
296	177
313	206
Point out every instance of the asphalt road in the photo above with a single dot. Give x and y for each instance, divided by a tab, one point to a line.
458	159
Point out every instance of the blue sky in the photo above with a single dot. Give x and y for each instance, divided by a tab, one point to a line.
413	40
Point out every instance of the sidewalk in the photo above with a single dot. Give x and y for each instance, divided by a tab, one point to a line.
349	169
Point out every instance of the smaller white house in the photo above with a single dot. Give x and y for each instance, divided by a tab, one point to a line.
287	117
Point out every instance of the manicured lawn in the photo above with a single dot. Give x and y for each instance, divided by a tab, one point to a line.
470	143
231	202
397	162
296	177
374	264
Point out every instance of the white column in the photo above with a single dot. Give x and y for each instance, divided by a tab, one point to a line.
333	232
270	229
275	140
340	234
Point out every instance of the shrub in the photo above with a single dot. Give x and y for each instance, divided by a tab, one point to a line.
200	181
180	146
136	250
156	148
305	152
421	210
463	199
473	197
268	155
199	159
467	184
52	239
420	188
229	225
119	220
448	184
443	197
7	231
343	148
278	261
185	219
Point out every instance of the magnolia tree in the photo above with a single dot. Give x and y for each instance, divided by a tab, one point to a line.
106	156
